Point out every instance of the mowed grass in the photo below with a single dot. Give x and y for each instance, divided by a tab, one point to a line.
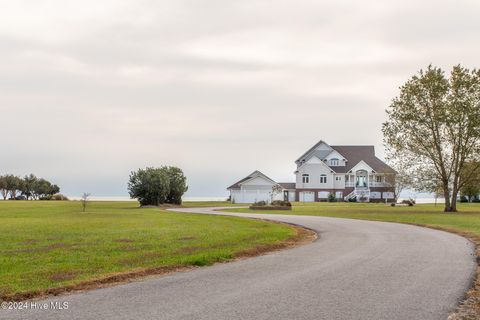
198	204
466	220
48	244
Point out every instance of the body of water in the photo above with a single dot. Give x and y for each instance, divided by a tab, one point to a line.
123	198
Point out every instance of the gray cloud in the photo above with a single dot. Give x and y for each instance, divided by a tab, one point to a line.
91	90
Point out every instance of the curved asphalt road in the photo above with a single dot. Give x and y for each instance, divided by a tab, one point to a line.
355	270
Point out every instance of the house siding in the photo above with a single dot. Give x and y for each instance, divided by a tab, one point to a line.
315	171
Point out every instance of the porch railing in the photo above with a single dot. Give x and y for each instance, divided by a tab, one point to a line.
370	184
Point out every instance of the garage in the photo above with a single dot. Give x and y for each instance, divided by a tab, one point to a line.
307	196
258	187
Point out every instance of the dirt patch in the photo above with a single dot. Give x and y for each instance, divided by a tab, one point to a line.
30	241
123	240
302	236
55	238
186	238
63	276
127	248
136	260
188	250
50	247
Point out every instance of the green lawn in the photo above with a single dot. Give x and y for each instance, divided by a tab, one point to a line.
466	220
48	244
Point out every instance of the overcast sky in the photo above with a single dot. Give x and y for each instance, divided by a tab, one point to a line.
92	89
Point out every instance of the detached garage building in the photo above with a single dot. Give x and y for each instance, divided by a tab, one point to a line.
258	187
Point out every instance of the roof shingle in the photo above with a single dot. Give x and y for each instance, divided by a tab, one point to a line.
355	154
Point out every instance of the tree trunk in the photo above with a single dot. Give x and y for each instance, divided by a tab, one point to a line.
453	202
446	194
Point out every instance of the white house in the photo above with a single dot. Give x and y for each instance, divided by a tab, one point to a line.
343	171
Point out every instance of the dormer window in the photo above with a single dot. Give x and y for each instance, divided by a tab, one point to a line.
305	178
334	162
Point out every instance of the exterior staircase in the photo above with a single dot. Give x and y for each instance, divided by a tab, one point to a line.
362	195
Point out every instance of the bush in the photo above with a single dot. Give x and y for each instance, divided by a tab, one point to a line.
354	199
260	203
58	197
332	198
409	202
155	186
463	199
281	203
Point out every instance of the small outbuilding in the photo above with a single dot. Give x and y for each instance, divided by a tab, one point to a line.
258	187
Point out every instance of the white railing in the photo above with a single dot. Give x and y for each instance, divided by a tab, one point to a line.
376	184
371	184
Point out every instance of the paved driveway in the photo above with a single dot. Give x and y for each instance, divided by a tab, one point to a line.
355	270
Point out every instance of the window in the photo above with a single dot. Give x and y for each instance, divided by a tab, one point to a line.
323	178
347	178
338	178
378	178
334	162
305	178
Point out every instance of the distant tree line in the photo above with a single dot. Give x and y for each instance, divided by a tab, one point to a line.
29	187
156	186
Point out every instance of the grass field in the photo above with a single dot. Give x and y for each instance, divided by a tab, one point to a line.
46	245
466	220
198	204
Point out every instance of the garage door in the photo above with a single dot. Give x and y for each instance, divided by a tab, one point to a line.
323	195
250	196
306	196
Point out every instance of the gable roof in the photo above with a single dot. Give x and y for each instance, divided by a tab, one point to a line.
288	185
301	164
321	154
252	175
355	154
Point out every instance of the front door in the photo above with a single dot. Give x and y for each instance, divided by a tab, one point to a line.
361	181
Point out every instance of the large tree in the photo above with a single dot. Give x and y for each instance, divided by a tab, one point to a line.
433	127
13	185
151	186
44	189
29	182
155	186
